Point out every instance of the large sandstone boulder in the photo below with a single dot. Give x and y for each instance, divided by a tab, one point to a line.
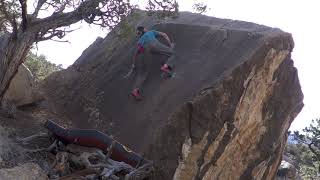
28	171
224	115
21	90
287	171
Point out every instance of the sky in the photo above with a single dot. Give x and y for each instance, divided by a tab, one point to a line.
300	18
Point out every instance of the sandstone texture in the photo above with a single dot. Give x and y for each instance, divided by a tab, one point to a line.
224	115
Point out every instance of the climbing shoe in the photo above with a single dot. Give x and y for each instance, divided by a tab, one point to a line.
167	70
136	94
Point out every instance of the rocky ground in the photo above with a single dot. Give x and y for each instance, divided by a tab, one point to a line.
27	151
27	121
14	154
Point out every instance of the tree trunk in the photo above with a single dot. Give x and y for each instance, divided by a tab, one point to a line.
13	51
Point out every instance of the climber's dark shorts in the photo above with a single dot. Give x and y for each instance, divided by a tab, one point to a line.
142	63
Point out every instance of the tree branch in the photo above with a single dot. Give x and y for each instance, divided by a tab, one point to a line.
37	9
59	33
24	22
314	151
106	13
9	17
48	149
60	6
62	19
141	173
65	19
54	33
26	140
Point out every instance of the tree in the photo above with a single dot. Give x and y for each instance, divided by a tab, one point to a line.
311	140
40	66
22	28
302	158
200	7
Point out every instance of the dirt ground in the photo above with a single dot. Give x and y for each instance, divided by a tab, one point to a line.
28	120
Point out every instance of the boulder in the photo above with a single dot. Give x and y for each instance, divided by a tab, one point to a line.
287	171
28	171
22	88
224	114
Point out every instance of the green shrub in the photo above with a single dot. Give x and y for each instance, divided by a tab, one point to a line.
40	66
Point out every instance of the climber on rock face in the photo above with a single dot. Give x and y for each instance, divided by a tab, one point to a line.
146	46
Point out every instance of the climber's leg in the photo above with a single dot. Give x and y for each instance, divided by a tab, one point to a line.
142	72
159	48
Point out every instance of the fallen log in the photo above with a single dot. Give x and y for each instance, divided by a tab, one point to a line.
96	139
93	158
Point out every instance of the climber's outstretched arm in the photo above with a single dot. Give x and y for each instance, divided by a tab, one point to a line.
134	57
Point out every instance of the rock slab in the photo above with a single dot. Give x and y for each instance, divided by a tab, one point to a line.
224	115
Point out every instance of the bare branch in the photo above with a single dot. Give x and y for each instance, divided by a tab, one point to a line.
100	12
38	7
112	167
10	17
54	33
48	149
106	13
26	140
23	4
61	8
65	41
141	173
166	6
200	7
